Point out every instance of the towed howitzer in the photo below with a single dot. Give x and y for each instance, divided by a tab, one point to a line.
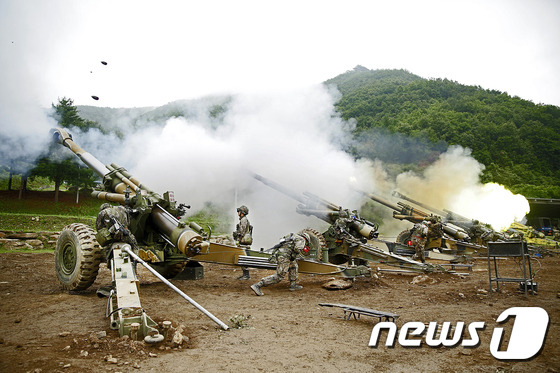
151	213
347	239
310	204
152	231
479	233
403	211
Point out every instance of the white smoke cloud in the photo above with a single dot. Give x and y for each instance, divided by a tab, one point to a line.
453	183
291	138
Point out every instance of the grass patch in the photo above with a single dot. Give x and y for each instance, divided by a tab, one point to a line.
42	203
20	215
40	223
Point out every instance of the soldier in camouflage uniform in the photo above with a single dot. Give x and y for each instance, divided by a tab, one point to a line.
435	229
108	233
475	232
105	225
342	225
285	253
419	237
243	235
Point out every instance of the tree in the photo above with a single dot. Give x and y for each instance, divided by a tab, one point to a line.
59	165
67	115
56	171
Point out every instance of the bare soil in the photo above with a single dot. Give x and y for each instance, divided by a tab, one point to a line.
47	329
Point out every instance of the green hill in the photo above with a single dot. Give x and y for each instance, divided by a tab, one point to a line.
518	141
407	121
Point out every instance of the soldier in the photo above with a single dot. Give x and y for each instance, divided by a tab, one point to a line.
476	231
435	229
419	236
243	235
107	233
342	224
285	254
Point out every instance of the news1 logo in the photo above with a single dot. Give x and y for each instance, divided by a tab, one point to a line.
526	340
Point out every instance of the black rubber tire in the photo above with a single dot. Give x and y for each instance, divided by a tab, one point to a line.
77	257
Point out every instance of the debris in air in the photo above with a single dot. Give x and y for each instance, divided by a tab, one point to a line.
95	97
104	63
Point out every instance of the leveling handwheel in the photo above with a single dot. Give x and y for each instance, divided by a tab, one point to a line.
317	244
77	257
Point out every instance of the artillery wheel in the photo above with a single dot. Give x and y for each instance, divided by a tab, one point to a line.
318	242
404	237
77	257
168	270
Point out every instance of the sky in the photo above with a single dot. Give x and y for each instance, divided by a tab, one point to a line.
272	58
158	52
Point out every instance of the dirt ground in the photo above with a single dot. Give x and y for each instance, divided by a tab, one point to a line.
46	329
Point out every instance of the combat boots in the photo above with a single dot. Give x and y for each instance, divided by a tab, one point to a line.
294	286
257	288
245	275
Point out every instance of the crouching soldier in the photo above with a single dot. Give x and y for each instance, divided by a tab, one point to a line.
112	226
419	238
285	254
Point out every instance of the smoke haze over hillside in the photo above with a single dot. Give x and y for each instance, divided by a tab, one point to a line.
295	139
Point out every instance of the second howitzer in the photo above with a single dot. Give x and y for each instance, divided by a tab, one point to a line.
349	238
478	232
402	211
144	229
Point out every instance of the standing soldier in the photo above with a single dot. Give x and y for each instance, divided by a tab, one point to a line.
243	235
285	254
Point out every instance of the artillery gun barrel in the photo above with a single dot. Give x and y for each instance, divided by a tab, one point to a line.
185	239
111	197
64	138
456	216
433	209
280	188
382	201
450	215
133	179
404	211
454	232
414	215
124	179
319	200
321	214
410	218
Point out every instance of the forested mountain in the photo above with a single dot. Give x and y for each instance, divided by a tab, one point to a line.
407	121
518	141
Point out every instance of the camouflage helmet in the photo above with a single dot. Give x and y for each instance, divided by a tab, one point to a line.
104	206
243	209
